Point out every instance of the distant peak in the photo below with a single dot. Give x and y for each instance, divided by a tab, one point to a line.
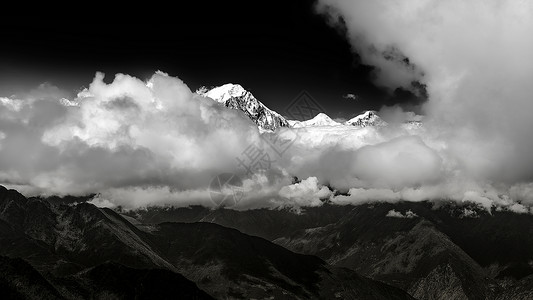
321	116
235	96
321	119
369	113
229	87
224	92
368	118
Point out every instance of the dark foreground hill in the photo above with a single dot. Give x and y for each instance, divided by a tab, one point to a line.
441	250
19	280
444	251
79	251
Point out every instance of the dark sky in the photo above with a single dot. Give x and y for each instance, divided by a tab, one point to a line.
275	49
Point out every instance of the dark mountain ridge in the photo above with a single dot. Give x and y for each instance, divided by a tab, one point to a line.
479	252
87	252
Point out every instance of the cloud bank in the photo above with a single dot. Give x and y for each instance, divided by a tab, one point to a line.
129	135
139	143
154	142
474	58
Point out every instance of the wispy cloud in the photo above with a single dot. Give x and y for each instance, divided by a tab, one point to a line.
350	96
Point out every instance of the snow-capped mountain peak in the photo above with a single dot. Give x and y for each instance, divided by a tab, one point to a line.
368	118
320	119
236	97
225	92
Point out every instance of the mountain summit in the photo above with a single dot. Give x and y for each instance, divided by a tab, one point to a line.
236	97
368	118
319	120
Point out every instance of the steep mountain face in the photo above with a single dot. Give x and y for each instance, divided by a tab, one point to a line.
265	223
438	253
368	118
433	252
418	259
115	281
86	252
520	290
227	262
62	239
236	97
444	251
259	262
19	280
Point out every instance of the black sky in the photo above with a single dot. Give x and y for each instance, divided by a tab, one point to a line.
275	49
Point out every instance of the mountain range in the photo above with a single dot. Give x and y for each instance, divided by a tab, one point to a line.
405	250
236	97
78	251
431	250
67	248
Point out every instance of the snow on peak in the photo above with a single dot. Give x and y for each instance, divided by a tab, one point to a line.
368	118
234	96
319	120
225	92
322	118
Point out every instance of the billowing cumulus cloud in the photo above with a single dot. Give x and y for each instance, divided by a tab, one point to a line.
304	194
139	143
474	58
404	161
128	134
363	158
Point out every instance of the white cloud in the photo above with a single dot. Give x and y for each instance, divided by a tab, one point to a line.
469	213
522	192
518	208
361	158
11	104
101	202
305	193
395	115
474	58
125	134
396	214
140	143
